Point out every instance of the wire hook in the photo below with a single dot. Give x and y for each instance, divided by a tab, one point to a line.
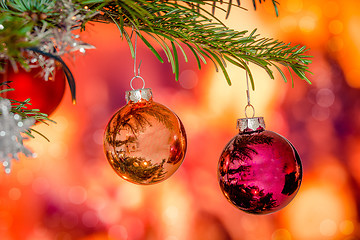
248	97
136	70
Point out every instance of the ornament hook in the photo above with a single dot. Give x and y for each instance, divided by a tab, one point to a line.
249	105
136	71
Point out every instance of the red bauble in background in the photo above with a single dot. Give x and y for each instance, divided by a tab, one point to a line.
44	95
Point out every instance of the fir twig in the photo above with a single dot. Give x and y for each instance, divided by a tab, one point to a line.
169	22
188	22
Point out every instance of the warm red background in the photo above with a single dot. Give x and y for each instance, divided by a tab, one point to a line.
70	192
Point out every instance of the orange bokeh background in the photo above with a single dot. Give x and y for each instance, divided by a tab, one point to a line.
69	191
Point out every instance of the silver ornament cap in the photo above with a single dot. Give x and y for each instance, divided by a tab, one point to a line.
251	124
138	95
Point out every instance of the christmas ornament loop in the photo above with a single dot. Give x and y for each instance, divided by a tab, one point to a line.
131	82
253	110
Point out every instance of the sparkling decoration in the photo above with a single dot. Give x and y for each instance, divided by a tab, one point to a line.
144	142
58	40
259	171
44	95
61	40
11	141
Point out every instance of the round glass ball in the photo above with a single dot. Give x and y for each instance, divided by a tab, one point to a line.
45	95
259	172
145	142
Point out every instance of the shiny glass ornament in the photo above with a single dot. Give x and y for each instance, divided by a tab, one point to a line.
45	95
145	142
259	171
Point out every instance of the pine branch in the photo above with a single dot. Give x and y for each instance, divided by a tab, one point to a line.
168	23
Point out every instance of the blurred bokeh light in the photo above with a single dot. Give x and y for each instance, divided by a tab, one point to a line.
70	192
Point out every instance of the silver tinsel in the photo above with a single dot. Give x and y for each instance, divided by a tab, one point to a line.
11	140
59	40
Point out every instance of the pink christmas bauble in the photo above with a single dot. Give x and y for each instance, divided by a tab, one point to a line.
259	171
